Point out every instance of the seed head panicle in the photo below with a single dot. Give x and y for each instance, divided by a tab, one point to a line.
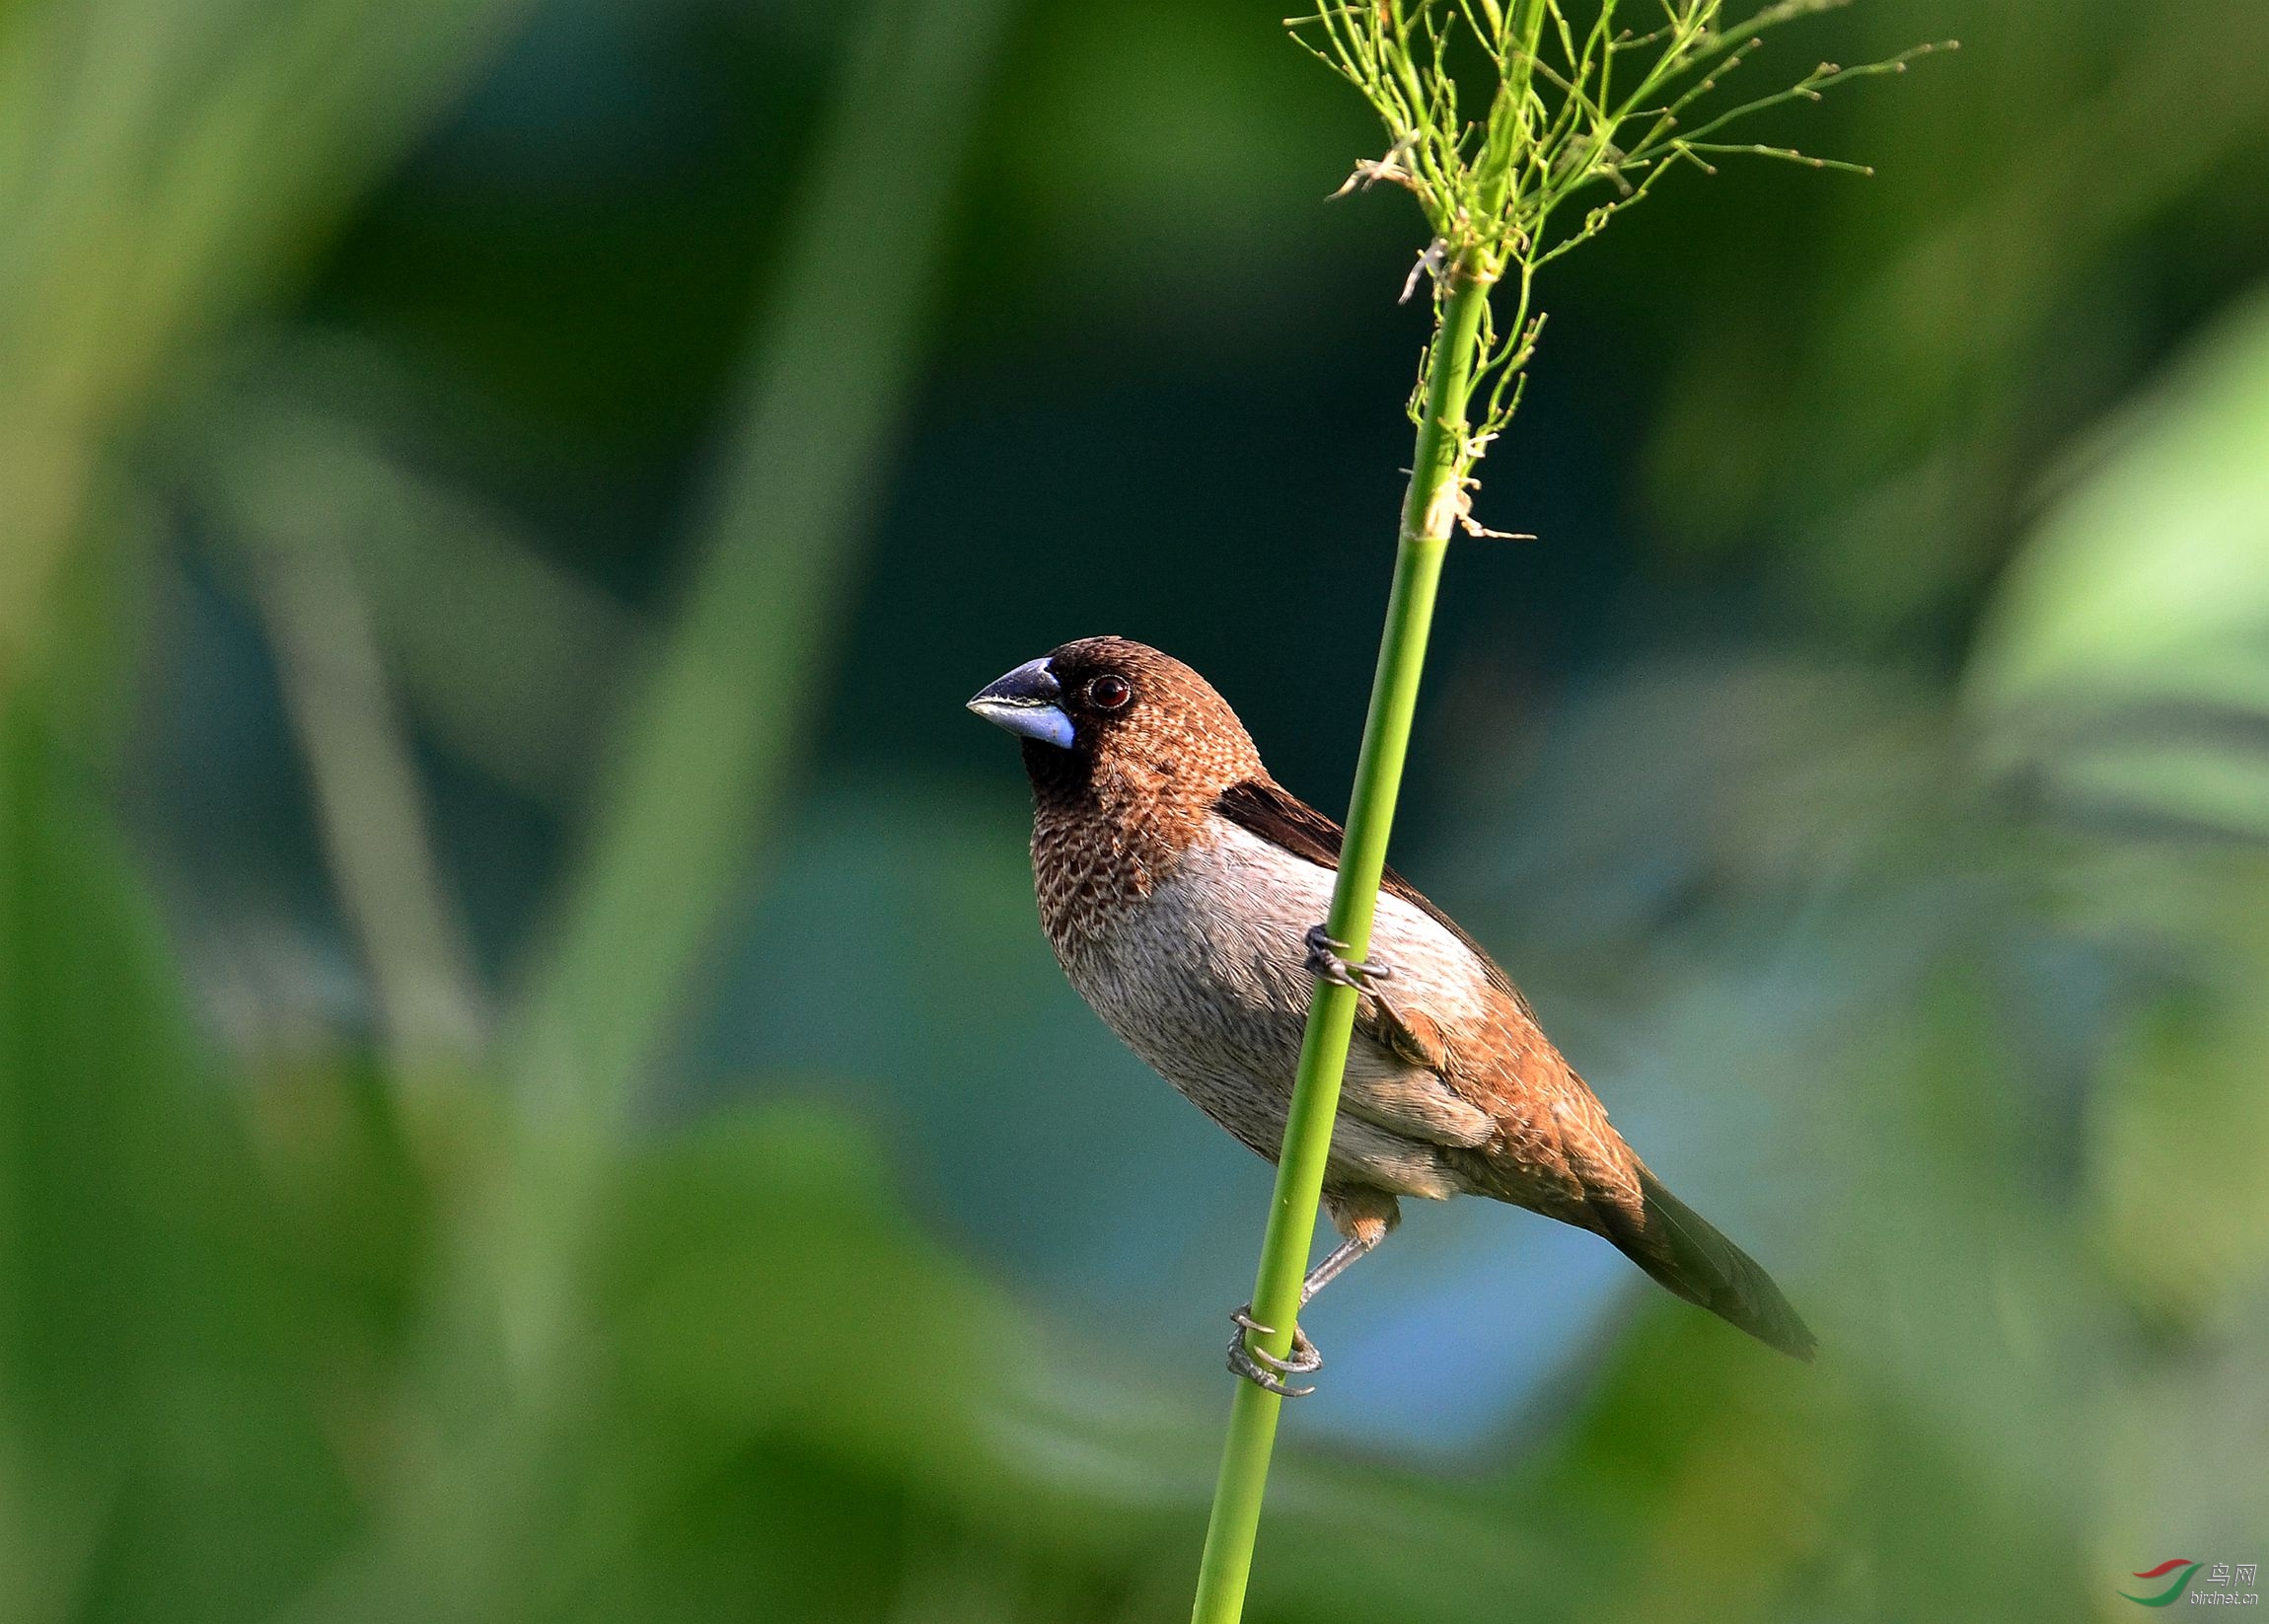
1582	116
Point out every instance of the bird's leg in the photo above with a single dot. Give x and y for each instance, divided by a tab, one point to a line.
1327	961
1324	1273
1264	1370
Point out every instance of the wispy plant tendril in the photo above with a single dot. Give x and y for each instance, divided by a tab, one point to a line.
1582	118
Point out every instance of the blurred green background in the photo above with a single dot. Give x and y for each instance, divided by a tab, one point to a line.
530	1087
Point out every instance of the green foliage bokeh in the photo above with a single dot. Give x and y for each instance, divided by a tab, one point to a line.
529	1087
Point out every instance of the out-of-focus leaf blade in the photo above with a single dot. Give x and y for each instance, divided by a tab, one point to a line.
502	666
2180	1139
2125	668
162	164
156	1443
703	751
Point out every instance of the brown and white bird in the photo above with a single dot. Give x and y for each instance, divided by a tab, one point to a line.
1181	886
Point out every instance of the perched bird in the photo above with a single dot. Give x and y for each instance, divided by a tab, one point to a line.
1182	888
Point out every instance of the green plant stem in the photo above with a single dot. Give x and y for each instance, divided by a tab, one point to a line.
699	771
1429	512
709	745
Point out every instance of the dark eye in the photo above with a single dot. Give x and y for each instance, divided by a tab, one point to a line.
1109	692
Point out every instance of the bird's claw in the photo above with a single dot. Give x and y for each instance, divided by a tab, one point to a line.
1265	1369
1328	961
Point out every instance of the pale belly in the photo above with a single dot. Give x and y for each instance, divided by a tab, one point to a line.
1208	982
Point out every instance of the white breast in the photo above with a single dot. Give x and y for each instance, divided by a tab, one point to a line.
1208	981
1269	898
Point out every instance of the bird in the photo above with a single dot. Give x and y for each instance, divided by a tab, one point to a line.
1184	892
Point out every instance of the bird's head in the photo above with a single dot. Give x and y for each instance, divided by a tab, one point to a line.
1107	712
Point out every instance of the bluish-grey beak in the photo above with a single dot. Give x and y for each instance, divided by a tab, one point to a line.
1024	702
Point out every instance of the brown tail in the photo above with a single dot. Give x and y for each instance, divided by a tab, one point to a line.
1686	1253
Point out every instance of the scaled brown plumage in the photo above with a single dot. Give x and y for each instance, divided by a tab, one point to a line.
1178	884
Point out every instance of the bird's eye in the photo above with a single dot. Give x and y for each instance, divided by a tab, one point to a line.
1109	692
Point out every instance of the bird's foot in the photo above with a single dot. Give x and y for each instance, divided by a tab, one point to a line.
1328	961
1264	1370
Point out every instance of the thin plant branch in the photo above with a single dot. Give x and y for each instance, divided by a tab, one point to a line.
1572	109
370	807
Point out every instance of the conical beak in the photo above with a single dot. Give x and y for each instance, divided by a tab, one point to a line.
1024	702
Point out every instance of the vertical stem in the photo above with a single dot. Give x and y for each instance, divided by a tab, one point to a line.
1430	510
506	1350
712	738
370	810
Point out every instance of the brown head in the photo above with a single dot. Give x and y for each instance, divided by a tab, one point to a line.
1127	749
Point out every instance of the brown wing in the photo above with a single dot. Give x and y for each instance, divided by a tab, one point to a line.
1555	1151
1268	809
